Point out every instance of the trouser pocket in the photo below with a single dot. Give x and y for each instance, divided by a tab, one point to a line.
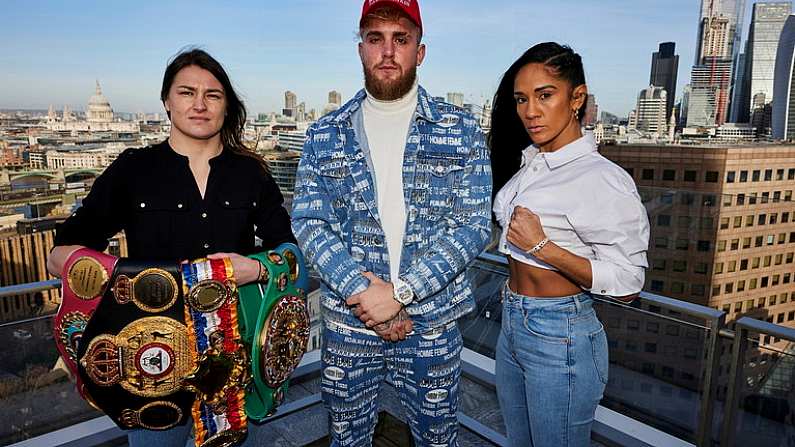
600	353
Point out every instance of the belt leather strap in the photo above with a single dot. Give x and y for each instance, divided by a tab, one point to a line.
84	279
274	324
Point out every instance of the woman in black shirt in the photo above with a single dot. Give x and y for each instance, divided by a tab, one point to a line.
199	193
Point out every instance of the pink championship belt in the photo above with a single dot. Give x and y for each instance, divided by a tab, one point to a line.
84	279
222	367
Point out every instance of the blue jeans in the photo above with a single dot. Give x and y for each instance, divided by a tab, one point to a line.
178	436
551	369
182	436
425	370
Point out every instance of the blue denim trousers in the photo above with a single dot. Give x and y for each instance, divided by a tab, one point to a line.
425	370
182	436
551	368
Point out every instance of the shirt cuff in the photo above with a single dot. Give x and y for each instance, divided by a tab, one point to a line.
417	283
358	284
609	279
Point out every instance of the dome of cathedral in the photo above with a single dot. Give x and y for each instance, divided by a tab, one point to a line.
99	109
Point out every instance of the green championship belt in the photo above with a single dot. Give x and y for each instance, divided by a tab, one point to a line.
274	325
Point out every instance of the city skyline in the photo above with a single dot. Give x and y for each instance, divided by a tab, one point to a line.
55	53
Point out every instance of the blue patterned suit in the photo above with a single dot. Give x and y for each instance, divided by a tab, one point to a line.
447	191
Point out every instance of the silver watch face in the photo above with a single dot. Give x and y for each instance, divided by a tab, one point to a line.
404	295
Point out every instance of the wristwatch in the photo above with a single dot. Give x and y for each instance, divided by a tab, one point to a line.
402	292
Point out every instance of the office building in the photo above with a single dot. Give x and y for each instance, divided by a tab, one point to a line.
783	118
767	21
664	69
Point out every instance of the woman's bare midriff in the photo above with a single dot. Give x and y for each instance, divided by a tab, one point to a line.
537	282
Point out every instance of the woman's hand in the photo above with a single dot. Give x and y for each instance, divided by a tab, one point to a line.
58	257
246	269
524	230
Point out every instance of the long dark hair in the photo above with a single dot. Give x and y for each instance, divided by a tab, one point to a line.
508	137
235	119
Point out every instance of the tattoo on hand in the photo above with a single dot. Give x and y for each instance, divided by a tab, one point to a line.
387	326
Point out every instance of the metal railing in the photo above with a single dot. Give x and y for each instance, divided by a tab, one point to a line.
743	327
481	368
102	430
717	331
715	322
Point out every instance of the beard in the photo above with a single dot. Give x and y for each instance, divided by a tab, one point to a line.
389	90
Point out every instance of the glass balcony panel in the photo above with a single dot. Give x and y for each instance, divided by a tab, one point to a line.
480	329
656	357
36	394
656	366
766	404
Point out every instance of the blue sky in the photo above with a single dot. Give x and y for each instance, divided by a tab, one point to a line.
51	52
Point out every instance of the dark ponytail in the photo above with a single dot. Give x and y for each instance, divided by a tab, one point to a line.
508	137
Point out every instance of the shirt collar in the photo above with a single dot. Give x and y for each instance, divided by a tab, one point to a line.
578	148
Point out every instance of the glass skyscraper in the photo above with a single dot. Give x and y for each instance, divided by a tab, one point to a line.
664	67
767	21
718	46
783	121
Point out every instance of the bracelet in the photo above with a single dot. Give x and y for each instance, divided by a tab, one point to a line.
538	246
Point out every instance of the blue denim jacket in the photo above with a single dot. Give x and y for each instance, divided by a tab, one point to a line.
447	189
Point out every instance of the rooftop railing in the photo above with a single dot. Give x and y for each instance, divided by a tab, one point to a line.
679	375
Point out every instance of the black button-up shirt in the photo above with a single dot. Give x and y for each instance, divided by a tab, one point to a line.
152	195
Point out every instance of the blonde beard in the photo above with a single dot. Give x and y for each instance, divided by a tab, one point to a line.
389	91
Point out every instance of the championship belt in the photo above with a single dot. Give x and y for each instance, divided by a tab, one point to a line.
221	371
163	342
135	350
84	279
274	324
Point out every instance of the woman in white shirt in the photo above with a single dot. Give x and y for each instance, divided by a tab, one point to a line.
573	225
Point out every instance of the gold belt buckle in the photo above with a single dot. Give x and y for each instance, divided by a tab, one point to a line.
159	415
152	290
284	340
148	358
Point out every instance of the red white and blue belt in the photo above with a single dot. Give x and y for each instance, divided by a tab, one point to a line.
222	367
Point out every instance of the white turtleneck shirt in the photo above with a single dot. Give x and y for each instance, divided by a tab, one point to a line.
386	124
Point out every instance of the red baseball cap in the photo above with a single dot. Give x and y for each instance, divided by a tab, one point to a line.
410	7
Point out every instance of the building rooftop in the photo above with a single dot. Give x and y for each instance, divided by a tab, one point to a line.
644	404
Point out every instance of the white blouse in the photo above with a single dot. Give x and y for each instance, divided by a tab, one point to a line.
589	206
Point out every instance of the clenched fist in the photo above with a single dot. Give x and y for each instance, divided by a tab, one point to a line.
525	229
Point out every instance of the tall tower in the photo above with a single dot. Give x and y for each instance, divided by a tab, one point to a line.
783	116
756	90
719	29
664	68
290	104
717	51
335	97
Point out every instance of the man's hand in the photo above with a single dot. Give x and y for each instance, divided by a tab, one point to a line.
395	329
376	304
